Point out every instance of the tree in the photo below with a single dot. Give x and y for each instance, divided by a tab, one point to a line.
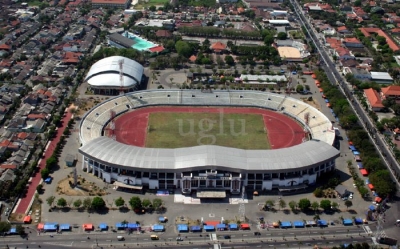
98	203
282	204
318	192
183	48
335	205
152	8
135	202
299	88
39	188
304	204
348	203
292	205
77	203
87	202
229	60
270	203
119	202
4	226
315	205
20	229
61	202
50	162
50	200
282	36
157	203
325	204
44	173
146	203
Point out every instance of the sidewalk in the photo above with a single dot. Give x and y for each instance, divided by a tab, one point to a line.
24	203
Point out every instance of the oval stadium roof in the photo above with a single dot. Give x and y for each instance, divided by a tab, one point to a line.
105	72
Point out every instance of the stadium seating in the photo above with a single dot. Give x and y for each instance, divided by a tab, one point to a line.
95	120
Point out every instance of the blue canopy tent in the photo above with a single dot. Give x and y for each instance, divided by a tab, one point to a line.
133	226
367	181
352	148
233	226
298	223
372	208
347	222
286	224
65	227
326	101
48	180
121	226
158	228
161	219
356	153
221	227
337	120
360	165
182	228
103	226
208	228
322	223
358	221
13	230
50	226
195	228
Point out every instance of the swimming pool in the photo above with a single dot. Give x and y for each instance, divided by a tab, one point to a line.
140	44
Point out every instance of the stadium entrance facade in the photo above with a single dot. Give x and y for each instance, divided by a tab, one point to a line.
207	179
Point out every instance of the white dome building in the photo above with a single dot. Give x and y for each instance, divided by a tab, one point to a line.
104	75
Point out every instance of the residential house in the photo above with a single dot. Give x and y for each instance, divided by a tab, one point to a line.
381	77
31	99
36	126
391	92
352	43
373	100
360	74
7	176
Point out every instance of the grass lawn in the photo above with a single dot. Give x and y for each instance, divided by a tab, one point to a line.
176	130
147	3
34	2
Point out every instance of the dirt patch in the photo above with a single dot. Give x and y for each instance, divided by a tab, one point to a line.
85	188
85	104
15	217
312	103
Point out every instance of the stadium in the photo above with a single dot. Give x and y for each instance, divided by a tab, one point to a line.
295	142
104	75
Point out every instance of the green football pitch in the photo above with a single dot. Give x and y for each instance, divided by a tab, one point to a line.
177	130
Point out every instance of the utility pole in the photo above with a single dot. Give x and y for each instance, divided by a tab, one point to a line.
242	208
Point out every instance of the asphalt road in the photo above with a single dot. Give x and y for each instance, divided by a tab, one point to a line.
334	76
329	235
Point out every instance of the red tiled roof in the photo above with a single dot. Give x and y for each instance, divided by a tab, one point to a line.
22	135
396	30
157	49
110	1
192	58
218	46
373	98
391	90
4	47
367	33
8	166
351	40
36	116
163	33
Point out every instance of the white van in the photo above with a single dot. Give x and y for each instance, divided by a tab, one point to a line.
120	238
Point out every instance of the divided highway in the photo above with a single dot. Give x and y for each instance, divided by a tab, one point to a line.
335	77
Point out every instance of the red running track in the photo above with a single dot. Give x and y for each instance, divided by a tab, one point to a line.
283	131
25	202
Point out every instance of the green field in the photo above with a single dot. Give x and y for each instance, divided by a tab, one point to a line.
177	130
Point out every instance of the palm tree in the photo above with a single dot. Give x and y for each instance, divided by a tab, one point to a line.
282	204
171	79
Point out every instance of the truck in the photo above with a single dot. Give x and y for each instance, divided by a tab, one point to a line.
154	237
387	241
120	238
